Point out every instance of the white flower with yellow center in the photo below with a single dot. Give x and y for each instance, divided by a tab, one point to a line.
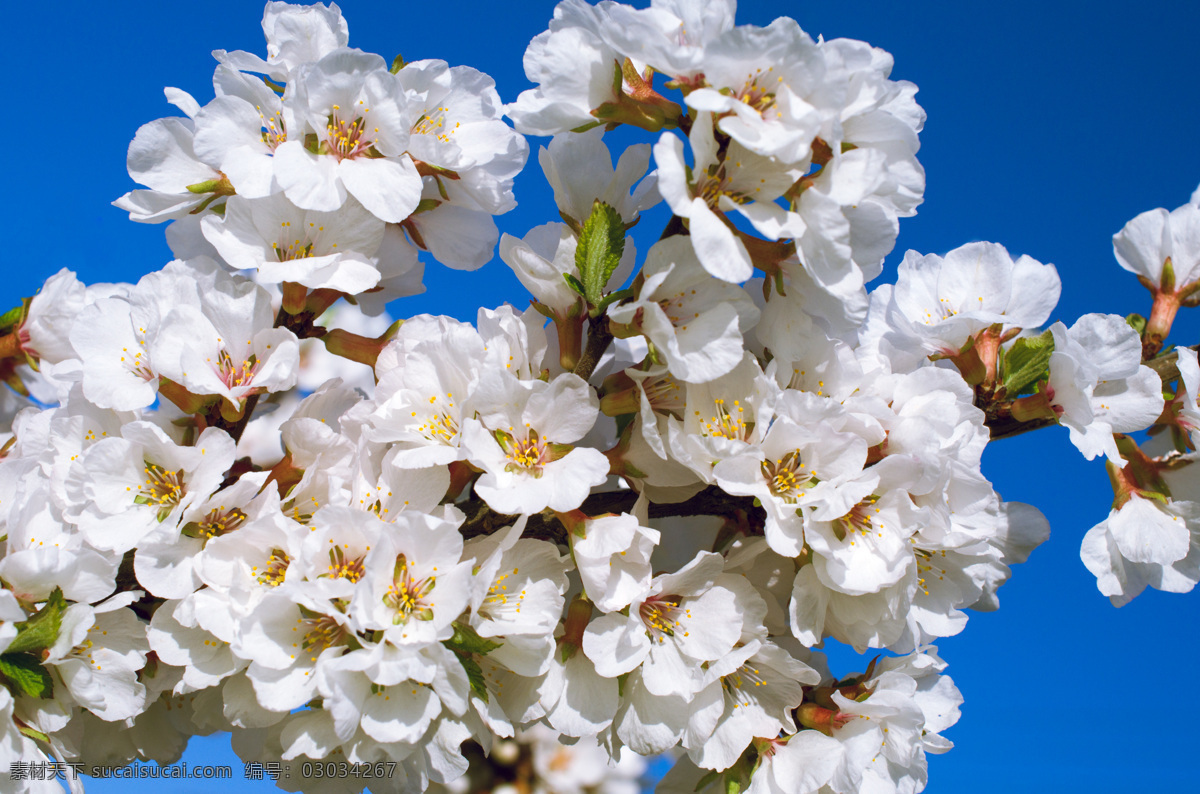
256	557
358	115
321	250
517	591
521	442
695	321
238	132
942	301
681	621
111	338
122	488
756	81
228	346
413	584
868	547
750	692
98	653
427	377
471	158
286	638
723	417
168	560
792	468
738	181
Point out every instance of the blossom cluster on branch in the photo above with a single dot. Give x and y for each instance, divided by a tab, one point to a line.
625	515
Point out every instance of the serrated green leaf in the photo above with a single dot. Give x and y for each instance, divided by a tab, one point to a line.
41	630
474	676
466	640
1027	361
574	284
601	244
26	676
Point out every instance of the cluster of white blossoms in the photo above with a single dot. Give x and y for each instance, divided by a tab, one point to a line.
624	516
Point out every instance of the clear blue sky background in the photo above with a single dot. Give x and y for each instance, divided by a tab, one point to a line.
1050	125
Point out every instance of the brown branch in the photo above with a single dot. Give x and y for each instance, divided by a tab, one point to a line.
712	501
599	338
1167	366
1007	426
674	226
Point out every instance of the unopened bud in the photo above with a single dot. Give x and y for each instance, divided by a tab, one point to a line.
363	349
579	614
819	718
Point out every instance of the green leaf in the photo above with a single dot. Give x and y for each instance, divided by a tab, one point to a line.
466	640
574	284
34	734
41	630
1027	361
601	244
475	676
26	676
12	316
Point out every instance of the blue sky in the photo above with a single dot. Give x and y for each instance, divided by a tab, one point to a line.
1050	126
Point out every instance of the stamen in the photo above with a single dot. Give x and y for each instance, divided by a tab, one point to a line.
406	595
